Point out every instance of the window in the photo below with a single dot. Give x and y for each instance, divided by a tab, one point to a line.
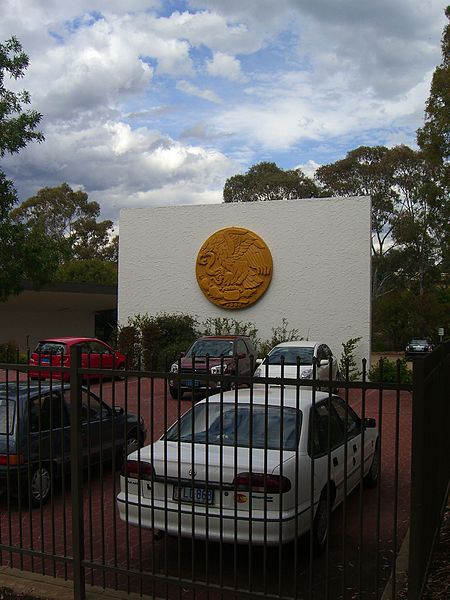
98	348
328	432
7	412
353	426
51	348
290	355
47	412
244	425
241	348
92	409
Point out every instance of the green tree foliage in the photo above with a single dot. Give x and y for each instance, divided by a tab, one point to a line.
265	181
400	316
90	270
434	137
69	218
25	253
17	126
434	140
406	209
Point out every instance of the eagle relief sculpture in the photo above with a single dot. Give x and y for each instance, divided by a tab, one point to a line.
234	267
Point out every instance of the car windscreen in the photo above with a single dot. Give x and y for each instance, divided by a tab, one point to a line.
215	348
244	425
7	414
290	356
51	348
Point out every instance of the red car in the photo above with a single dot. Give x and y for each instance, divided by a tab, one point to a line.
95	354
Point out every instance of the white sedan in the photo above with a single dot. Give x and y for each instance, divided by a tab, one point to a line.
238	467
295	360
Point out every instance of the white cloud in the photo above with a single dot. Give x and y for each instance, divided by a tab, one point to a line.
296	82
193	90
226	66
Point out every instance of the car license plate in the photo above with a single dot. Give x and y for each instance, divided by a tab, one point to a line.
45	361
197	495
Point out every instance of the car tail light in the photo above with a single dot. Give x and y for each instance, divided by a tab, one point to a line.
137	469
259	482
11	459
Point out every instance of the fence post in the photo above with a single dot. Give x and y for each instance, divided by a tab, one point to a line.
76	455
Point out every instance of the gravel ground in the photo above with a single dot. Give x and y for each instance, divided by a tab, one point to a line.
437	588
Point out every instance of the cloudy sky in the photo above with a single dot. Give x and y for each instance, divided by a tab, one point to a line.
157	102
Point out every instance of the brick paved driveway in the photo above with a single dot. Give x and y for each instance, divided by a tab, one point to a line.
361	549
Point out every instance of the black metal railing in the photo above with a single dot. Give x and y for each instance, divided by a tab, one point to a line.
247	509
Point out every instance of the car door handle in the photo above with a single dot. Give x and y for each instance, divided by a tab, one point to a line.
335	461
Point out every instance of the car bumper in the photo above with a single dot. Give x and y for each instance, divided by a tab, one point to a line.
219	525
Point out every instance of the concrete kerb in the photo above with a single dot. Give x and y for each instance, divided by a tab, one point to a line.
401	571
51	588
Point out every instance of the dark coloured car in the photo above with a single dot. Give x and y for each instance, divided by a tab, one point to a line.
35	436
214	355
418	347
55	352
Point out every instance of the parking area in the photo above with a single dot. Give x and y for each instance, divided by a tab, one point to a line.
366	530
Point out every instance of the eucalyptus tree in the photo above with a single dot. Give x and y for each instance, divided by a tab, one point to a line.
266	181
24	253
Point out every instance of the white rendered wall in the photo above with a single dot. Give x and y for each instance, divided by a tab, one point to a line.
321	264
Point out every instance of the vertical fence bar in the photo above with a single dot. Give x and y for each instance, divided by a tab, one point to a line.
76	450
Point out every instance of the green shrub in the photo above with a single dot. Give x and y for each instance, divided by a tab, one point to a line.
151	337
9	353
128	342
229	326
390	371
279	334
347	363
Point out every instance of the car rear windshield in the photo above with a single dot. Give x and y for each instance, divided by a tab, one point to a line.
51	348
215	348
245	425
7	414
290	356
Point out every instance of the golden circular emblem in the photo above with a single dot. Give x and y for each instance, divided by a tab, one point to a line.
234	267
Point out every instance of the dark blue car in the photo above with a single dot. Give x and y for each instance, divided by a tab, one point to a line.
35	436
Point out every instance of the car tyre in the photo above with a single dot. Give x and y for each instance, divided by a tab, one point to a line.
371	479
320	525
40	484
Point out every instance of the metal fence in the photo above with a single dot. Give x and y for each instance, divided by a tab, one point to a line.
273	489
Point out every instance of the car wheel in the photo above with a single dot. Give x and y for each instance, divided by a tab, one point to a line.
175	393
320	526
371	479
40	485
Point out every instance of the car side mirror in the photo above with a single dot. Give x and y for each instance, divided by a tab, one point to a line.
118	410
323	362
369	423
